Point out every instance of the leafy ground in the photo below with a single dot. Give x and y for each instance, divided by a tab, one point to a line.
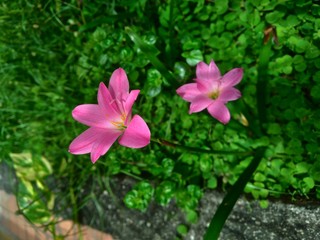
55	53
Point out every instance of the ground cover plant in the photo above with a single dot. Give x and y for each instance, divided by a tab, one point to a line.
55	53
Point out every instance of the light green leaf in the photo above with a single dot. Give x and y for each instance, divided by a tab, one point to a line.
302	167
309	182
212	183
193	57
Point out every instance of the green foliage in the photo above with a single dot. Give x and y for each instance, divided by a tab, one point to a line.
140	196
182	230
34	199
54	54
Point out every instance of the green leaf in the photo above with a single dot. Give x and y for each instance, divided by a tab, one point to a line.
187	123
263	141
316	77
291	21
193	57
318	193
315	91
221	6
312	148
199	6
191	44
302	167
287	69
205	33
294	147
30	167
274	128
140	196
312	52
315	171
221	42
303	3
259	177
32	206
191	216
99	35
212	183
274	17
182	229
194	191
151	53
264	203
188	199
299	63
205	163
298	44
302	112
309	182
165	192
167	165
254	18
182	71
153	83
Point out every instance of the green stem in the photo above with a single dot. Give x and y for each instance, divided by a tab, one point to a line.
131	175
109	189
262	83
231	198
199	150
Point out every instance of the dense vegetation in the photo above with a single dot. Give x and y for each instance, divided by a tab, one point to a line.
54	54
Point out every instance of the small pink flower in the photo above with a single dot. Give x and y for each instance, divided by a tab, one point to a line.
212	91
110	119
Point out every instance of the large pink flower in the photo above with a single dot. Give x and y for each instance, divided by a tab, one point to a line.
212	91
110	119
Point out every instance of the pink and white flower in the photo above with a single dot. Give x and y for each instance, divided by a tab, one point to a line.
212	91
110	119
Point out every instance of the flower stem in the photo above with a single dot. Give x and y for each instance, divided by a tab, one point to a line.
228	202
199	150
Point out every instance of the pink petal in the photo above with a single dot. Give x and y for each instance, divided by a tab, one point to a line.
137	134
107	103
219	111
207	73
103	143
119	84
207	86
232	78
199	103
83	143
90	115
188	91
229	94
130	100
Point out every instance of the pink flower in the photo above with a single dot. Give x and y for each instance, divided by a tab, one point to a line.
212	91
110	119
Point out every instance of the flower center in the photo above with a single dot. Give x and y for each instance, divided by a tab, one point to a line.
120	125
214	95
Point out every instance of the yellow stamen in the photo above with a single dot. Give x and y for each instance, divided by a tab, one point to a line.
214	95
123	117
119	125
